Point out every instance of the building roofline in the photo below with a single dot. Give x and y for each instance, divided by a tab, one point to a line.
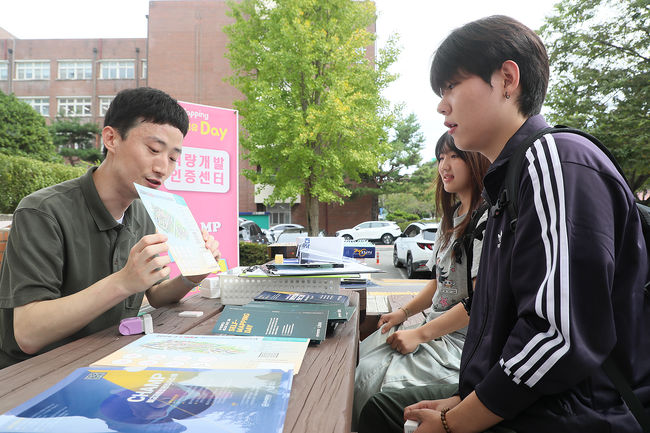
6	35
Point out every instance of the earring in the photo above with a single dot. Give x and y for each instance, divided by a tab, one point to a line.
507	95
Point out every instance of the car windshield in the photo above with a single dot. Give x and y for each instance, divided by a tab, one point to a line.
429	234
291	236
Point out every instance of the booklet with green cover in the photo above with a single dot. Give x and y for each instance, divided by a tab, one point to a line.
239	320
302	297
336	312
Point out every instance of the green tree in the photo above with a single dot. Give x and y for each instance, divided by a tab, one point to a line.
75	139
313	113
600	76
73	134
402	154
23	131
418	192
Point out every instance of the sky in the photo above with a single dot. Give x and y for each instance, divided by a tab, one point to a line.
420	24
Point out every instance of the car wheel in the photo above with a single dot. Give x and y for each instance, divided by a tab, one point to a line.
387	239
396	261
410	273
347	237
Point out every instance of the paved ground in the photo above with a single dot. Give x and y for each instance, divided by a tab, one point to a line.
392	281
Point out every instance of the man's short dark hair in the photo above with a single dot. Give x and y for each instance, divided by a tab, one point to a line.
144	104
480	48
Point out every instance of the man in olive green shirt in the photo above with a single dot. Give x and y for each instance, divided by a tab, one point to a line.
81	254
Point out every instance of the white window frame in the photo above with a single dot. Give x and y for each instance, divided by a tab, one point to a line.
119	66
39	103
104	103
37	69
81	106
280	213
4	70
143	69
82	69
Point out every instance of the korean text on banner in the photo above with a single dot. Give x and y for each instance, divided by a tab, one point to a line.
206	175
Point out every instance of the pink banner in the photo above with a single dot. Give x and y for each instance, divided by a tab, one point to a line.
206	175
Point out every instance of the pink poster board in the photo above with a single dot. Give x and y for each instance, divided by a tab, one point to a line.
206	175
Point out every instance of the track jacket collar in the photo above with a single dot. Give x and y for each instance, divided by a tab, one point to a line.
495	175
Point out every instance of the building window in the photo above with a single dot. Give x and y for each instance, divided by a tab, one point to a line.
280	213
117	70
37	70
4	71
75	70
144	69
74	107
104	103
41	105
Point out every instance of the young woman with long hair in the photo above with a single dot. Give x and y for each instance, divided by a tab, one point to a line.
429	353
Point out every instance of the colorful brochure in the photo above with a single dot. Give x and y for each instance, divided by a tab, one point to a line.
173	217
209	351
97	399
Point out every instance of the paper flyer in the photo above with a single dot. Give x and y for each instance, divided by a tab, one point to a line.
209	351
173	217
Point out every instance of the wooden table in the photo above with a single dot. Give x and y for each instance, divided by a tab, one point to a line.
321	394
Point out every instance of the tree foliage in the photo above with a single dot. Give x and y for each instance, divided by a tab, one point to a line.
75	140
23	131
418	194
600	76
313	113
403	153
73	134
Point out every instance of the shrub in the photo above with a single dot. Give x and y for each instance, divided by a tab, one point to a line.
90	155
20	176
23	131
401	216
404	224
252	254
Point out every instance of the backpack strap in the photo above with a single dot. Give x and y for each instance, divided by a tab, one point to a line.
508	196
629	397
474	231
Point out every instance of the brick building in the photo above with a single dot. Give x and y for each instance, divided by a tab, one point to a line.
182	55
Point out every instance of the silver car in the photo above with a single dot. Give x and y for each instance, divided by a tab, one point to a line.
413	248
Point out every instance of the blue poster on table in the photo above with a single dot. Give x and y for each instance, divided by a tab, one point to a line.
157	400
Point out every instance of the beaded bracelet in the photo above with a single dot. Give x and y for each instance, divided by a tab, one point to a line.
443	418
406	311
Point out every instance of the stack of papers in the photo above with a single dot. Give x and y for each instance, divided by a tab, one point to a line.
306	270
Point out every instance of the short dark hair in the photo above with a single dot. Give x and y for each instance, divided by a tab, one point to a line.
480	48
144	104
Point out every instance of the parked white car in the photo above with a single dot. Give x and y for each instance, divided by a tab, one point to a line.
384	231
413	248
275	230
